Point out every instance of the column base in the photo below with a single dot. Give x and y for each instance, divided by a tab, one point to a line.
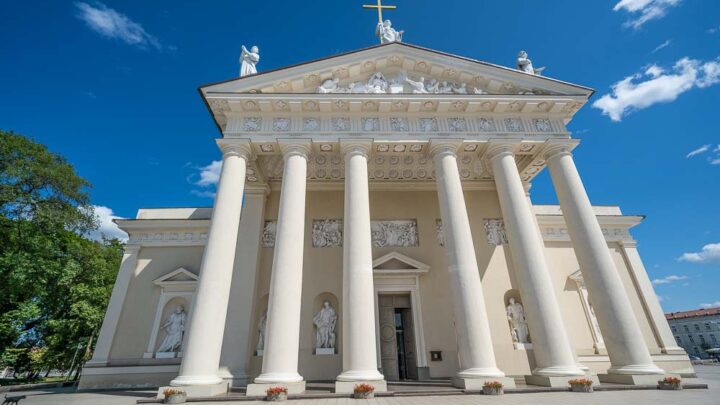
195	391
346	387
559	371
199	380
637	369
476	383
557	381
634	379
258	389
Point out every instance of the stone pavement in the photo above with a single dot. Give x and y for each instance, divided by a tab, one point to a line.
706	374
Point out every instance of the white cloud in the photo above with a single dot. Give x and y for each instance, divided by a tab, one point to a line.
210	174
106	226
713	30
112	24
668	279
657	85
710	254
645	10
661	46
710	305
698	151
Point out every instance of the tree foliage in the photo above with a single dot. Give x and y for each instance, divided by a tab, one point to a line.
54	283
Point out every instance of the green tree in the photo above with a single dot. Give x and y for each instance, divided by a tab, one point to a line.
54	283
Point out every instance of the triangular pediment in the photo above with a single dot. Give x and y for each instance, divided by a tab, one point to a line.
402	67
398	263
180	276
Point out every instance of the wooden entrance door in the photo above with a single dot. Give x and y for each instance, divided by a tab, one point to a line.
397	337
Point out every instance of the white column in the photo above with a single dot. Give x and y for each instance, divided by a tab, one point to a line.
554	355
117	300
282	330
472	328
358	320
623	339
201	358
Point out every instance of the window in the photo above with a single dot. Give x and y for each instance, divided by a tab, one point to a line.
712	337
697	328
677	339
702	339
674	329
691	339
707	326
697	351
686	329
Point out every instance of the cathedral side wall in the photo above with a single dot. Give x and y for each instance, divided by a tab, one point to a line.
136	321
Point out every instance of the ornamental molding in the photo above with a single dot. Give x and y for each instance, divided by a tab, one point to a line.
385	233
404	125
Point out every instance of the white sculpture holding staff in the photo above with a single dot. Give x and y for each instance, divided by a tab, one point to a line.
325	321
174	328
518	324
248	60
387	33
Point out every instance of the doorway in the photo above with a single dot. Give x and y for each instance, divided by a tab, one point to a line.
397	337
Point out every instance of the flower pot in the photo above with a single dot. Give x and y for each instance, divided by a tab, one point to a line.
175	399
277	397
492	391
581	388
667	386
363	395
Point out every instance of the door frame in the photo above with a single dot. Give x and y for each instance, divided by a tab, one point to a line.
390	284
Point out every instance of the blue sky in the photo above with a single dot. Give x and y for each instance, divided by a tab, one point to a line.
112	86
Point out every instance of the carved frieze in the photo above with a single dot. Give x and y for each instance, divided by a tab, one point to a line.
251	124
495	232
327	233
457	124
390	233
268	235
513	124
542	125
281	124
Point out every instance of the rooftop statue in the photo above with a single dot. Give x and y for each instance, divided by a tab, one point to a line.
387	33
525	64
248	60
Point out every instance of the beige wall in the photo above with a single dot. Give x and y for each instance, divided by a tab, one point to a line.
322	277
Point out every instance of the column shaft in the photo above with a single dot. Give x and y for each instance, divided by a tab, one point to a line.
624	341
201	358
358	334
282	331
554	355
472	328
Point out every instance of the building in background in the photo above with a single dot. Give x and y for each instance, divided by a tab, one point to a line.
696	331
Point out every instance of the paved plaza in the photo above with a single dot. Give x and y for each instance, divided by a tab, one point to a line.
706	374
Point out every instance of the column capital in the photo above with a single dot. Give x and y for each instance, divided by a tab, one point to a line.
295	147
501	148
350	147
131	249
439	147
559	147
235	147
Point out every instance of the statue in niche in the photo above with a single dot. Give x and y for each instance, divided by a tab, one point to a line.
525	64
261	333
174	328
248	60
387	33
518	324
325	321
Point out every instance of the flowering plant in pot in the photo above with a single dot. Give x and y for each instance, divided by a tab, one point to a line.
492	388
174	396
670	383
363	391
276	394
581	385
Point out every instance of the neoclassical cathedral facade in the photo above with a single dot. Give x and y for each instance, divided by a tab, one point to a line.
373	223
